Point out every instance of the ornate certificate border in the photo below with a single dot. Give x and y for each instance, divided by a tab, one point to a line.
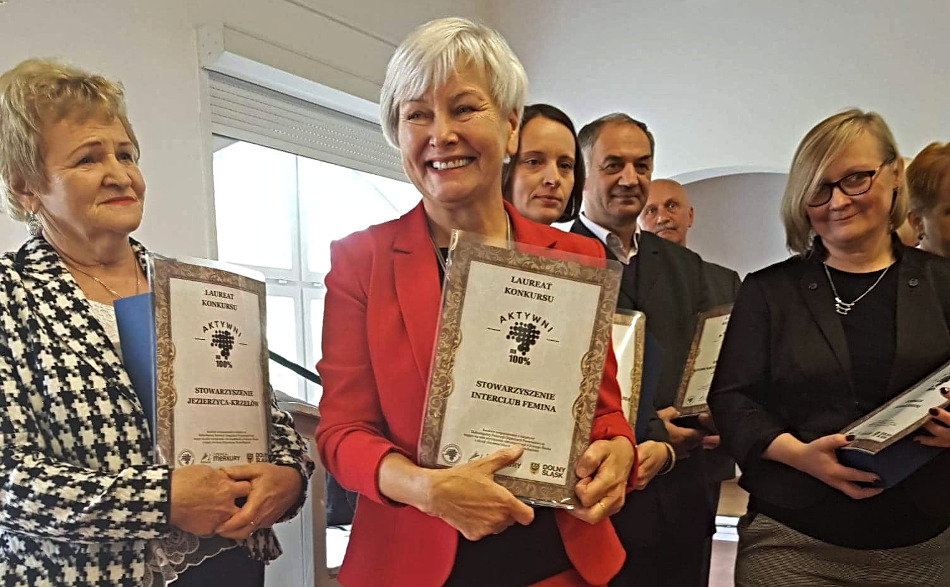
636	321
161	271
703	318
874	446
449	337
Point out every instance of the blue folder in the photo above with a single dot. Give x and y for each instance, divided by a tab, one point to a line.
136	320
892	464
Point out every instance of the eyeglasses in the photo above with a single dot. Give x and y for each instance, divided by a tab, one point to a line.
851	185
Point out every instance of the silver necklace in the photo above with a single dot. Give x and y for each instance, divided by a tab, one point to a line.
441	258
842	307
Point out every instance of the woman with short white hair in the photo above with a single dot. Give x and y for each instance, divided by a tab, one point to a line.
451	103
820	340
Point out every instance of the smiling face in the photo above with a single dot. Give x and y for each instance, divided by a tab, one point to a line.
667	213
94	183
543	175
848	222
453	140
619	180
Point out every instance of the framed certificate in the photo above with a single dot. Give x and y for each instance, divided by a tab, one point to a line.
628	334
196	351
701	361
519	357
882	441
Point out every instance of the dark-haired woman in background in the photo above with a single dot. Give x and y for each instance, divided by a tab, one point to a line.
545	178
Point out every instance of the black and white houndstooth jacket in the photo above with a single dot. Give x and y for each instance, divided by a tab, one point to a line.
79	493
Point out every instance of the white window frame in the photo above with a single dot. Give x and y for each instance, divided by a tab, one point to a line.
243	111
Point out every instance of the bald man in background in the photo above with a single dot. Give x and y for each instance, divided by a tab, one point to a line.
669	214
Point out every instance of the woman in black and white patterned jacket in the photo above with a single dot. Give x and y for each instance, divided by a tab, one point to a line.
81	500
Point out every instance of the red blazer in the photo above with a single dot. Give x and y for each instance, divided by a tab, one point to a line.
381	310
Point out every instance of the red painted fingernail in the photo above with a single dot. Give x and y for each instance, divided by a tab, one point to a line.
933	411
850	437
945	390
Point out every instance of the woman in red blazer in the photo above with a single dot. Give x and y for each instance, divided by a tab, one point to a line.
451	104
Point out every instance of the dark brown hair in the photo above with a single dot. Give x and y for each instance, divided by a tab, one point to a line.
580	171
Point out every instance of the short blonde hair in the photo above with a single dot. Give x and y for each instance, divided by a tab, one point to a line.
436	49
926	174
34	94
820	147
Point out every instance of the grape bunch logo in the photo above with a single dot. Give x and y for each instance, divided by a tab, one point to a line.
224	341
525	335
223	337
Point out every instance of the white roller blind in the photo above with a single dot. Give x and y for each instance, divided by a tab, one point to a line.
248	112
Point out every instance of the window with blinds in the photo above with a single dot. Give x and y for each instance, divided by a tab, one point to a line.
289	178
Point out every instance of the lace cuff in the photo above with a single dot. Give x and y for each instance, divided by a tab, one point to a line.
172	555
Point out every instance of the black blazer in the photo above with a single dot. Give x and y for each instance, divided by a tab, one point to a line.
670	290
722	283
785	367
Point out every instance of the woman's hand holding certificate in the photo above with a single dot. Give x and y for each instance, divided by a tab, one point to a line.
468	499
818	459
274	490
938	428
202	498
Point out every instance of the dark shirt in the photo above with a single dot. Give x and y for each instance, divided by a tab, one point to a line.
627	297
870	328
890	519
521	555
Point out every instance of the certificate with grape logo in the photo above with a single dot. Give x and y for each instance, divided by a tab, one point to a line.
701	361
523	336
196	352
883	440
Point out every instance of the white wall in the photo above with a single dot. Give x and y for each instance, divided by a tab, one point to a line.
737	82
728	84
151	47
737	220
148	46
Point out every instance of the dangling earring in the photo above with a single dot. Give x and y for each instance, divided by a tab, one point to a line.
506	159
33	225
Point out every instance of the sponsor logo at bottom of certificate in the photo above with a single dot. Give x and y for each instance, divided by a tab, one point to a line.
186	457
546	470
451	453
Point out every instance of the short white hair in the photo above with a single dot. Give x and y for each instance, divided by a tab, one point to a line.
438	48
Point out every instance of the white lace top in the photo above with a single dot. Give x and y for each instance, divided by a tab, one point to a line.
105	314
